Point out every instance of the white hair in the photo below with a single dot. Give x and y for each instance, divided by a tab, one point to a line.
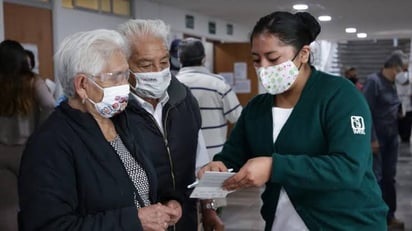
86	52
136	28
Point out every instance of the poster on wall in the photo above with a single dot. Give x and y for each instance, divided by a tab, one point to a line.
228	76
240	69
242	86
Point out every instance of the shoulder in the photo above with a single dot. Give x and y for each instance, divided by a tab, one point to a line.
329	85
259	104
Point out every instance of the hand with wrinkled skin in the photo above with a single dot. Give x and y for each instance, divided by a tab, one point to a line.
155	217
174	205
211	221
256	172
214	166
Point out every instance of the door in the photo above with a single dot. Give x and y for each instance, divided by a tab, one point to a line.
33	25
226	55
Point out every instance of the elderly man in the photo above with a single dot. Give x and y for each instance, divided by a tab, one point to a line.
166	117
384	103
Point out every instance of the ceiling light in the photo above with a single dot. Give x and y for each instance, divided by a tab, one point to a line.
300	7
325	18
362	35
350	30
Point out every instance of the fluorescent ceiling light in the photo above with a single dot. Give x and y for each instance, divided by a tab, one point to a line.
300	7
325	18
362	35
350	30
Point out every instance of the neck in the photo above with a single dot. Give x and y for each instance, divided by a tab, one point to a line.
288	99
152	101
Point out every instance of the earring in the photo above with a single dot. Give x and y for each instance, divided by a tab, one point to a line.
83	100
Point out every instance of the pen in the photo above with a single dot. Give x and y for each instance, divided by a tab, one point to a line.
192	185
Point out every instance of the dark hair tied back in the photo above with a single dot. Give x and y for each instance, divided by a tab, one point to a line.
296	30
311	24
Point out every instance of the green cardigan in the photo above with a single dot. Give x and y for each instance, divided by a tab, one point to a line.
322	156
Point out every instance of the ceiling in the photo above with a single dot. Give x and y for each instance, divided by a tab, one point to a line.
377	18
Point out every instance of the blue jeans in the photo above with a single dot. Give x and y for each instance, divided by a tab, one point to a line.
384	167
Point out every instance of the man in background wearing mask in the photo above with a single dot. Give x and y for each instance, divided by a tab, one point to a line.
166	117
384	103
404	89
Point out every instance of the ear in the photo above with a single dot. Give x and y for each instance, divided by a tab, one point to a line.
80	85
304	54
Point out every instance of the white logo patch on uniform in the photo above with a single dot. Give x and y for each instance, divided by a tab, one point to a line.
358	125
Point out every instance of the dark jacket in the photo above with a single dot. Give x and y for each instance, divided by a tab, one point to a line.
174	152
72	179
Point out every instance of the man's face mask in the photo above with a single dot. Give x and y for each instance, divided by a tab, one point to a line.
152	84
402	78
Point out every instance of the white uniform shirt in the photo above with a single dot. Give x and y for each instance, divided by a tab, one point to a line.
286	216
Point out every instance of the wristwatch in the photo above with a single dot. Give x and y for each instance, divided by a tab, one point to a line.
210	205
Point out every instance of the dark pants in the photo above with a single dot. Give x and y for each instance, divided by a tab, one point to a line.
405	127
384	166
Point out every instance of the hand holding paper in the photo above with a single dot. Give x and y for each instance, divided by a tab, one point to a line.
210	185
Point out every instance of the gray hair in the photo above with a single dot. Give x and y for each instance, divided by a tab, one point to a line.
86	52
396	59
136	28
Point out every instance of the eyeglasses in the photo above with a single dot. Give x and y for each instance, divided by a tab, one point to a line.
112	77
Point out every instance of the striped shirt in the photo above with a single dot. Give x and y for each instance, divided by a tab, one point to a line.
218	104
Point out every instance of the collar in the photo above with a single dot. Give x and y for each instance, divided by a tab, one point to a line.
148	106
201	69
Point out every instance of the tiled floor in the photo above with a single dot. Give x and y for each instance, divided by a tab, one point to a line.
243	213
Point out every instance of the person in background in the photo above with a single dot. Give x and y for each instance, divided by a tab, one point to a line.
404	90
51	85
384	104
174	58
218	103
302	138
81	170
24	103
165	115
30	59
351	74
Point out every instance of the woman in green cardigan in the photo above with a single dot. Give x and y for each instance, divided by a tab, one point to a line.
307	138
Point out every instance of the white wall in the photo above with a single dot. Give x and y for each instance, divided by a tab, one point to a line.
68	21
176	19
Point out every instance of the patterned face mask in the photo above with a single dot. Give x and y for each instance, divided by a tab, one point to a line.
278	78
114	100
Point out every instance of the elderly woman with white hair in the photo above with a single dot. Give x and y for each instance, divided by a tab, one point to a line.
81	170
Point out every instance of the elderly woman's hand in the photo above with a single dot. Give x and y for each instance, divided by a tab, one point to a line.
155	217
177	208
215	166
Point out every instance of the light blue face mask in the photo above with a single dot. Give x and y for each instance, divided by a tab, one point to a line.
152	84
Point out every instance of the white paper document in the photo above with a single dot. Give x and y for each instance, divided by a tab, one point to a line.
210	186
